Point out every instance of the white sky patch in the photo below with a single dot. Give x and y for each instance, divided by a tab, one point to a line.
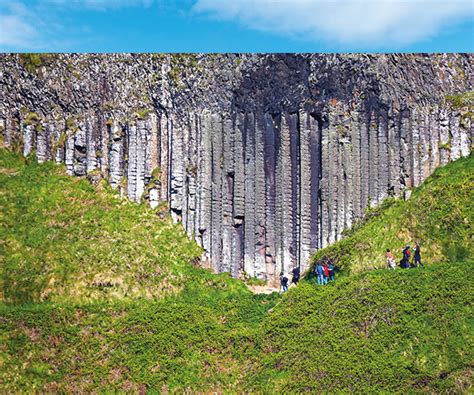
16	29
14	32
373	22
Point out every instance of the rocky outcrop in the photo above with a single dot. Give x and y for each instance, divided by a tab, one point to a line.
263	158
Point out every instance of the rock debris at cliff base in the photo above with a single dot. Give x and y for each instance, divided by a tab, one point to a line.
263	158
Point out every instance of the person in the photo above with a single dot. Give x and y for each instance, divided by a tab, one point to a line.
417	256
296	275
320	273
283	282
405	262
326	273
331	271
390	260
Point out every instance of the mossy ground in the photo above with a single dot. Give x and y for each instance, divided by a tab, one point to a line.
187	329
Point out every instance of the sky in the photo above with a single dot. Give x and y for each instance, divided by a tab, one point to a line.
237	26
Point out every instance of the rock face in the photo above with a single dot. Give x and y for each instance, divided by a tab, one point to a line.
263	158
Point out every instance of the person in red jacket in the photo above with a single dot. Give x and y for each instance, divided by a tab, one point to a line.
326	272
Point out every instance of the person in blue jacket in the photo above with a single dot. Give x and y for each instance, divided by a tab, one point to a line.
320	273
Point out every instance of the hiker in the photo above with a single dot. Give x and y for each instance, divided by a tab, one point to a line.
320	273
326	272
390	260
331	271
296	275
417	256
283	282
405	262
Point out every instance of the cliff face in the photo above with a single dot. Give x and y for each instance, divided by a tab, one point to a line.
264	158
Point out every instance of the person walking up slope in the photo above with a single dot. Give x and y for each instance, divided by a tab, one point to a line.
417	256
283	282
296	275
320	273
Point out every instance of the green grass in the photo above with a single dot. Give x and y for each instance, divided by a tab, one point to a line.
396	331
62	239
439	215
182	342
163	324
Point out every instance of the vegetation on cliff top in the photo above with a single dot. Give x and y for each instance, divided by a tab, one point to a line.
381	330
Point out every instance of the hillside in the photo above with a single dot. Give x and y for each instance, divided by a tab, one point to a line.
99	292
64	239
439	215
380	330
395	331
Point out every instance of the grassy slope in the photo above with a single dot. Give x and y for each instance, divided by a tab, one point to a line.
403	330
396	331
64	239
439	214
99	292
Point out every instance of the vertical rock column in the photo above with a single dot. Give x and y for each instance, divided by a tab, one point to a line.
103	144
415	147
42	142
191	149
293	180
216	196
80	150
373	176
434	138
29	137
265	123
205	175
239	197
69	151
197	176
444	137
455	135
152	160
142	132
91	140
227	196
332	163
259	197
132	162
116	154
355	134
394	171
59	140
324	199
177	169
308	188
383	156
164	157
251	221
345	154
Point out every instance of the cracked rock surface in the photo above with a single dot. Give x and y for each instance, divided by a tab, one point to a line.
263	158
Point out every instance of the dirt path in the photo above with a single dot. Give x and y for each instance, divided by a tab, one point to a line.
263	289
